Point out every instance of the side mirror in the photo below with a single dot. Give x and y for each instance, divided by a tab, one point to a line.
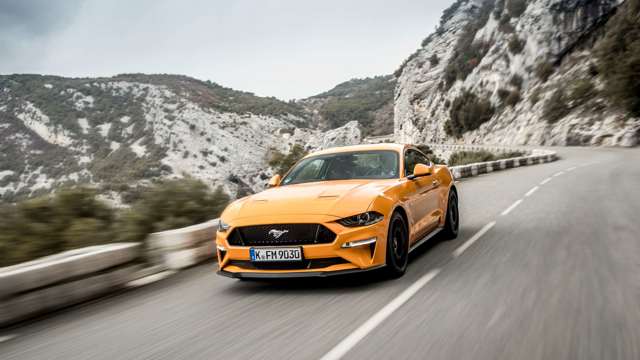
275	181
420	170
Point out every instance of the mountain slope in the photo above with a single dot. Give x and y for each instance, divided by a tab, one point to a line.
514	72
368	101
121	132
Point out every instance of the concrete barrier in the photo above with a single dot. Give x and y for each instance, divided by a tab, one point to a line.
65	279
181	248
537	156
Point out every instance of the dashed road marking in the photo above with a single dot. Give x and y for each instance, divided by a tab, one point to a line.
510	208
571	168
530	192
558	173
545	181
350	341
7	337
473	239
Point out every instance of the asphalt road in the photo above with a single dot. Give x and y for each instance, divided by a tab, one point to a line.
556	277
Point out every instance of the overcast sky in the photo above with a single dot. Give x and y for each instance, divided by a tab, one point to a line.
283	48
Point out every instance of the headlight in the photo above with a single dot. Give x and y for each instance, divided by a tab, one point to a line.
364	219
222	226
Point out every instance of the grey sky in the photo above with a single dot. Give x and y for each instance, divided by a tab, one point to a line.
283	48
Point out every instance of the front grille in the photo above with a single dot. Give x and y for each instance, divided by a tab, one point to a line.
281	235
297	265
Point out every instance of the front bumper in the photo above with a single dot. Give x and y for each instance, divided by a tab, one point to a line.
295	275
234	261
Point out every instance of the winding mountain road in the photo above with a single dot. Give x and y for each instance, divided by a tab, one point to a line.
547	266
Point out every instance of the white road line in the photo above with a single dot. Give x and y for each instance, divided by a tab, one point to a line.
530	192
571	168
545	181
473	239
558	173
350	341
7	337
510	208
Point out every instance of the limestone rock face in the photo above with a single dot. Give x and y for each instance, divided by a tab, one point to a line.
557	33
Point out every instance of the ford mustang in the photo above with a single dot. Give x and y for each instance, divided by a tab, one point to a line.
338	211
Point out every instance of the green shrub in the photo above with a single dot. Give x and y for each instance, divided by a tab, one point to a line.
556	107
169	205
45	226
516	81
618	56
513	98
535	96
282	163
581	91
544	70
516	7
467	113
470	157
468	53
516	45
434	60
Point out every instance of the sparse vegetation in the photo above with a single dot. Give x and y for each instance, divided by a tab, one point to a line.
75	218
470	157
516	45
582	90
535	96
468	53
544	70
281	163
368	101
434	60
556	107
619	57
467	113
516	7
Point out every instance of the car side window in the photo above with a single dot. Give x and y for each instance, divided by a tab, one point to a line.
411	159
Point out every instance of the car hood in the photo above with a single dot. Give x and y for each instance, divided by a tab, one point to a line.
333	198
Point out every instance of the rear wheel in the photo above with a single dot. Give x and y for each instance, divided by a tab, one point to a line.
452	222
397	246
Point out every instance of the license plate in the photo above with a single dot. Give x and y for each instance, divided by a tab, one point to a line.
276	254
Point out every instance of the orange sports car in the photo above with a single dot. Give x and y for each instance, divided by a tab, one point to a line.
338	211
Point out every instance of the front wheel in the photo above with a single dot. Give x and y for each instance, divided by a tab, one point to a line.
397	246
452	222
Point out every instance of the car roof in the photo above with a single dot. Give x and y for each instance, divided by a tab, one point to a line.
366	147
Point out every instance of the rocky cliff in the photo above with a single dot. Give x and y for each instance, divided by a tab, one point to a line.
121	132
516	72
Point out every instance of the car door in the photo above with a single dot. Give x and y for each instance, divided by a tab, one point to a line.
420	197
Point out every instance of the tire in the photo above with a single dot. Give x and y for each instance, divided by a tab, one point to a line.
397	247
452	222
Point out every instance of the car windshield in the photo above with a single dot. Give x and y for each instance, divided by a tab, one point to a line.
345	166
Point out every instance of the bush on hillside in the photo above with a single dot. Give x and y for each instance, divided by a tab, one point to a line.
45	226
468	53
516	7
619	57
470	157
556	107
281	163
169	205
467	113
516	45
544	70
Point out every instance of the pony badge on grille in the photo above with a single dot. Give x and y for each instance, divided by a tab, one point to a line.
277	233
